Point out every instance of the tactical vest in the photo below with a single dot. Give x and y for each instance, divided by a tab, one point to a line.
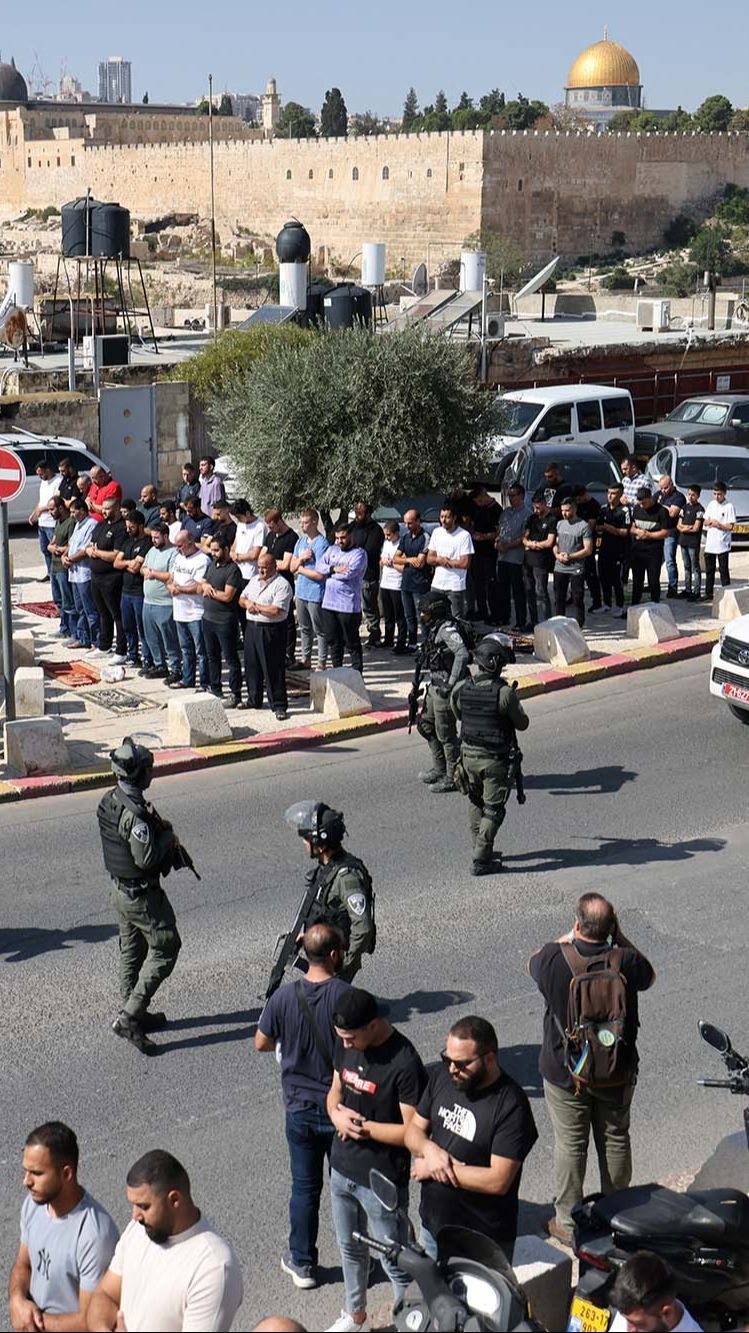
481	722
118	858
335	913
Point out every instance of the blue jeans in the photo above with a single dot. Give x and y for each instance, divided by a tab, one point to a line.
411	608
87	628
355	1208
309	1135
190	635
45	537
692	572
669	555
309	618
63	600
131	609
161	636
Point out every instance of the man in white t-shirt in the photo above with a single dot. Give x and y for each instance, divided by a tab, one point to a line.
720	517
249	540
449	554
170	1271
187	573
644	1295
49	484
391	577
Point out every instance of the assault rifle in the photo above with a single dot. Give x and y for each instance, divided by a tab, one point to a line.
515	761
414	697
181	858
286	947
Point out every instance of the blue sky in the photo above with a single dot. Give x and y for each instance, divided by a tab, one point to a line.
374	51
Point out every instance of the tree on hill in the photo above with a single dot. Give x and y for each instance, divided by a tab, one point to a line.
522	114
493	103
364	123
410	109
202	107
225	106
714	114
334	116
296	122
440	103
710	250
740	119
465	103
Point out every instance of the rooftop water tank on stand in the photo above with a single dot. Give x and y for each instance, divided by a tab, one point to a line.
110	232
77	221
21	283
472	270
293	249
293	244
373	264
347	305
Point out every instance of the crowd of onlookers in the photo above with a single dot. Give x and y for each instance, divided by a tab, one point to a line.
191	587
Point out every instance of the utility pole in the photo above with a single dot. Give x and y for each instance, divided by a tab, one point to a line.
213	207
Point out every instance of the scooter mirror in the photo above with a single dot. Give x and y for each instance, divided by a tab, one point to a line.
715	1037
385	1192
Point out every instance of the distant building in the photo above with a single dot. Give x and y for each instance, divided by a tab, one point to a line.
604	80
271	107
70	90
115	80
244	105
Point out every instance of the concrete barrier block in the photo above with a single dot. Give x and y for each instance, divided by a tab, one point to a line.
651	624
29	689
560	641
35	745
728	603
23	648
545	1273
340	692
199	719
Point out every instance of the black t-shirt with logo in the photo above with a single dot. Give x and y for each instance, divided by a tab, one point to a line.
537	530
474	1127
616	517
654	519
69	487
132	584
554	495
676	498
221	577
374	1083
108	536
551	973
689	514
278	546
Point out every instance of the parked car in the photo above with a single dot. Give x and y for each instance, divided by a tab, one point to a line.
701	465
723	418
588	465
31	449
566	414
729	668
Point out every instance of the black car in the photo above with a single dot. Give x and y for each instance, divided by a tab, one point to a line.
704	419
588	465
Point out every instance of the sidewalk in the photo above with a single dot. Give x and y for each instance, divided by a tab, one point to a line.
95	715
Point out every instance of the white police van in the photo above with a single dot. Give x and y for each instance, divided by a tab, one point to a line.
729	668
565	414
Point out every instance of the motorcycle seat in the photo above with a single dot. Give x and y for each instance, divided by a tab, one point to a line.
653	1211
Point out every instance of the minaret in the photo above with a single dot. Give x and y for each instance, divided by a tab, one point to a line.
270	107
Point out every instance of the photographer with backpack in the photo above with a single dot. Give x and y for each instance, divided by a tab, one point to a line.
590	978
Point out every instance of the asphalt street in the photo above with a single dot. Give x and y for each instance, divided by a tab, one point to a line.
636	786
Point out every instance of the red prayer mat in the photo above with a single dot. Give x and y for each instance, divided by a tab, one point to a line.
72	674
47	609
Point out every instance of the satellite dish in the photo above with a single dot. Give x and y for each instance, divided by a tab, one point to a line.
538	280
419	281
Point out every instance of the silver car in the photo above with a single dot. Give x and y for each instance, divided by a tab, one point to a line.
31	449
704	464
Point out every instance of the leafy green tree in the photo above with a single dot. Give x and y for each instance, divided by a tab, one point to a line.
334	116
202	107
352	414
734	206
228	359
521	114
679	119
440	103
465	103
679	231
493	103
468	118
678	278
296	122
365	123
618	280
621	122
715	113
410	109
740	119
710	250
225	106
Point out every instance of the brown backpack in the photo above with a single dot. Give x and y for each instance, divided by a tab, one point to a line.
596	1051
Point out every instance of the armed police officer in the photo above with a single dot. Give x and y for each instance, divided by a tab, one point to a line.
444	656
490	714
138	848
340	889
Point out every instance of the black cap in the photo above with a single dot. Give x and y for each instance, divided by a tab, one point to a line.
355	1009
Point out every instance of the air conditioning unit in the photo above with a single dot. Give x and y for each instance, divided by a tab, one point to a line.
112	349
495	327
655	315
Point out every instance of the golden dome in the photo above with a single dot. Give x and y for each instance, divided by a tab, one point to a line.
605	64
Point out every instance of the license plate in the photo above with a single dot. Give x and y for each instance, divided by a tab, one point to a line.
585	1317
736	692
741	527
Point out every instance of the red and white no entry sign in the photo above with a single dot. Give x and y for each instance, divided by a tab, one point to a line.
12	475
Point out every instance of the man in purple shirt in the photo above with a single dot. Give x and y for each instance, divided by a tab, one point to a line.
211	487
343	567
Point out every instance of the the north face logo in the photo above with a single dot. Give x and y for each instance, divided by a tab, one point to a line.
458	1121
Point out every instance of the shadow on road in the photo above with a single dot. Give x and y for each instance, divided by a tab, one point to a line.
611	851
425	1002
531	1218
521	1063
215	1020
20	945
585	782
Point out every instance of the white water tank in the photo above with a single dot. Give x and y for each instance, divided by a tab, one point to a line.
372	264
292	282
21	283
472	270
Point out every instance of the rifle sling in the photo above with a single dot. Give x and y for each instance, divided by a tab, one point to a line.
316	1033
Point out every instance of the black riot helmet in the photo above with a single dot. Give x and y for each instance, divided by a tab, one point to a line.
318	823
435	608
494	652
132	763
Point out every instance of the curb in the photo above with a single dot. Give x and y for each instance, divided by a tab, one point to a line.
167	763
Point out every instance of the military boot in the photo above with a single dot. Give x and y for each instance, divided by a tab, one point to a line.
432	775
446	783
133	1031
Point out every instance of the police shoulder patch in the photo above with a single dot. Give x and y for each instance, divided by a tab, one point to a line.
140	831
358	903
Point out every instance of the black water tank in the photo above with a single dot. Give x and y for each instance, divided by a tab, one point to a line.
293	244
77	224
362	306
338	306
110	232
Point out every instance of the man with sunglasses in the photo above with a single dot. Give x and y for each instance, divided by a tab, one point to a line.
471	1133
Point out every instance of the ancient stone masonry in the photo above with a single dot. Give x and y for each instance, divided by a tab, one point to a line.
422	194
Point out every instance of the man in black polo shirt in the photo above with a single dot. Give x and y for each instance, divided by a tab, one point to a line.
689	525
221	586
538	540
68	489
575	1111
280	543
411	558
648	532
129	561
108	537
613	527
369	536
472	1131
673	502
485	515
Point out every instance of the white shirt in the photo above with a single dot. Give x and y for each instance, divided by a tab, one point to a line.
189	569
715	539
390	577
193	1282
685	1325
249	535
453	545
276	592
46	490
174	528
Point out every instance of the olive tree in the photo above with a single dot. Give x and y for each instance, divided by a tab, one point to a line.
354	414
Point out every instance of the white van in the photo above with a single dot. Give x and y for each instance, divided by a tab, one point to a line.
566	414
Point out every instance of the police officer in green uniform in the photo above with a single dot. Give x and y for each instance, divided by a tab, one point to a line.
138	848
490	714
445	657
344	895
